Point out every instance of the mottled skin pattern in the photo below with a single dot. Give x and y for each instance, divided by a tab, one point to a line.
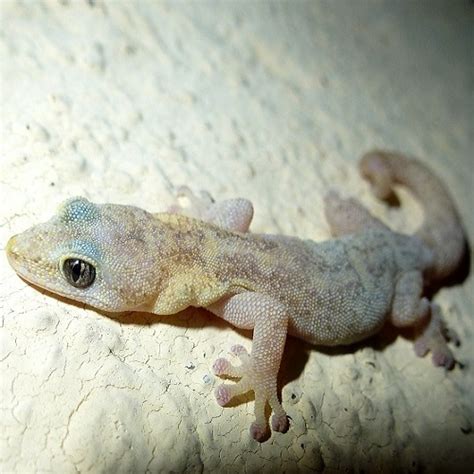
335	292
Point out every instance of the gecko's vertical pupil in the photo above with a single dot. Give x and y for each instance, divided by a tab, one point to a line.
76	270
79	273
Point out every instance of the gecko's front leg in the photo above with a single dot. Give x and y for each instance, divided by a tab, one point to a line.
259	370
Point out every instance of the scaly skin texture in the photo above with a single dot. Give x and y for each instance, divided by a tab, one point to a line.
121	258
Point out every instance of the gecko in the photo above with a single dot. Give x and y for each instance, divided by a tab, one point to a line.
121	258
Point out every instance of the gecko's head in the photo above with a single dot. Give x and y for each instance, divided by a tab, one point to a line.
95	254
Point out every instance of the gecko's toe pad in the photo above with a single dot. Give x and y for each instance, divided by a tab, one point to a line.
238	349
223	395
441	355
221	366
258	432
421	348
280	423
443	358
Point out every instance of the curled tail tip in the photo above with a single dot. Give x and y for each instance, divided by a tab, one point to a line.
374	168
441	230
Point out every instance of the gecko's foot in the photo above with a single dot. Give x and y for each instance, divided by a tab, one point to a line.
188	203
231	214
261	384
434	339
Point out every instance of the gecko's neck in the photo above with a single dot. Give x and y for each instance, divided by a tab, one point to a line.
203	263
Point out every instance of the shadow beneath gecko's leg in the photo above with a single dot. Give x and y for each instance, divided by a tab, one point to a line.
294	360
378	342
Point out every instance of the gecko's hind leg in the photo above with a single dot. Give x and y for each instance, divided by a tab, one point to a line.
348	216
409	308
231	214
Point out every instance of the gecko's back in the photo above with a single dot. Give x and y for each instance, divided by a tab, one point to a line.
339	291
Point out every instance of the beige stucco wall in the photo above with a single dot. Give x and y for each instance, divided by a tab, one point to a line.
120	102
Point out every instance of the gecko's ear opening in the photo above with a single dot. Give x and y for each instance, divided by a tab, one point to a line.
77	209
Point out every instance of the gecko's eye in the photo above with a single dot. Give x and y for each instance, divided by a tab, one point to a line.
78	273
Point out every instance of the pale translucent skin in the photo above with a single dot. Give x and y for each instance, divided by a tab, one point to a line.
335	292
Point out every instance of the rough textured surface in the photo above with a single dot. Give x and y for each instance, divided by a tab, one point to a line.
143	98
122	258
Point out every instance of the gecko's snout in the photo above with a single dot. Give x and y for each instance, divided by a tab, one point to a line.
19	250
11	249
28	258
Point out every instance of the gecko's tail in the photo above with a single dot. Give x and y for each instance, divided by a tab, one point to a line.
441	230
